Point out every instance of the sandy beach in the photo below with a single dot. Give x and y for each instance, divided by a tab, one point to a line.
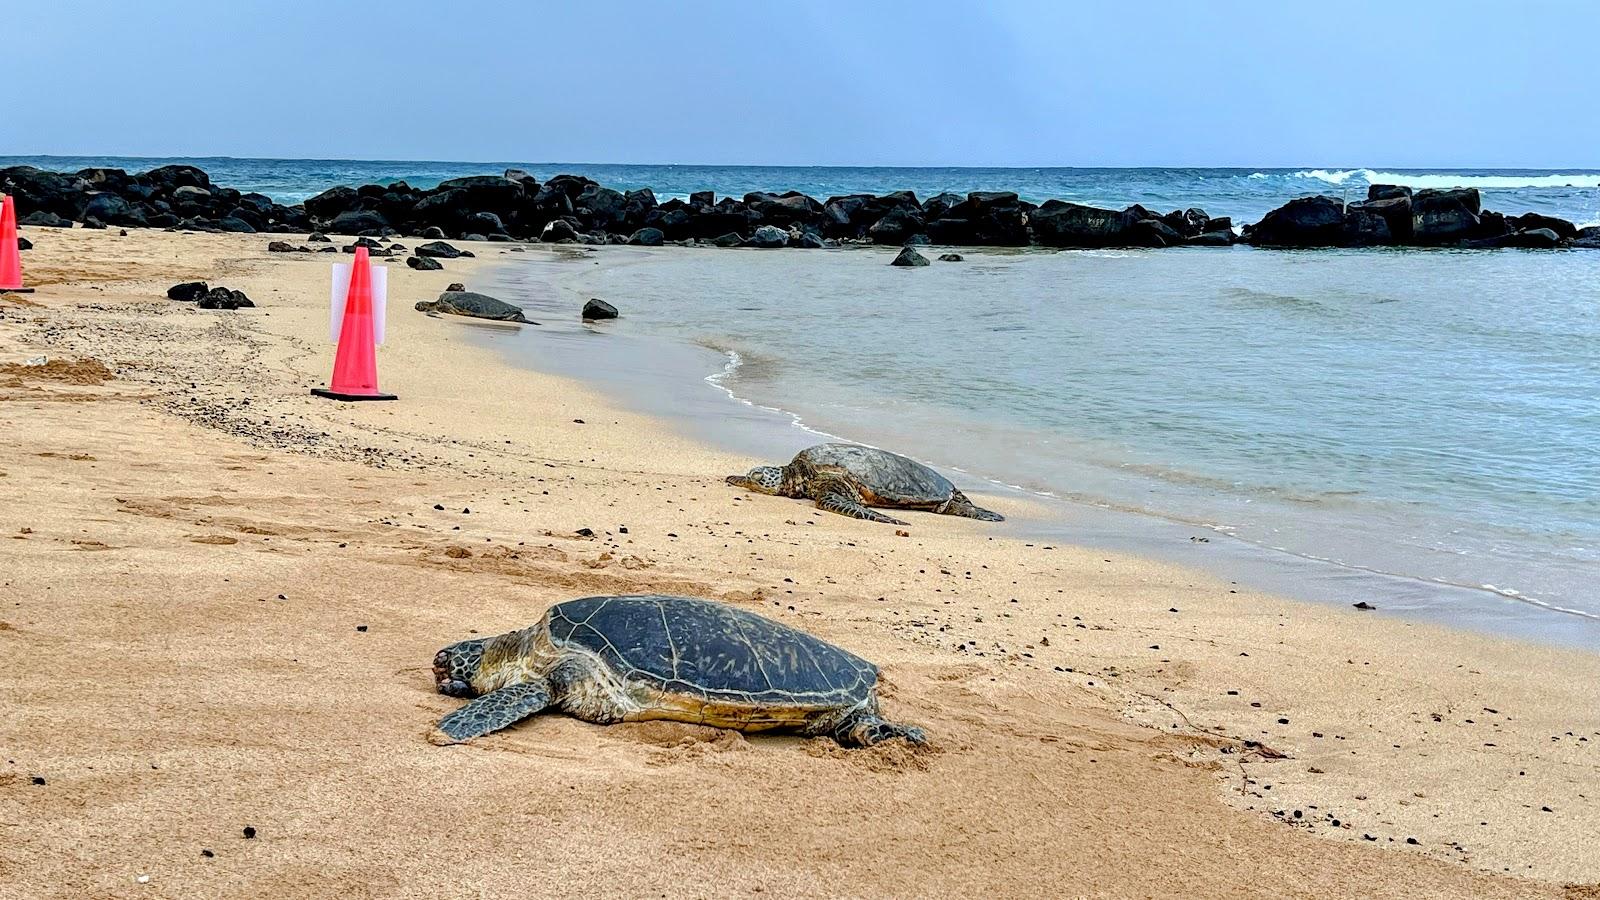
219	598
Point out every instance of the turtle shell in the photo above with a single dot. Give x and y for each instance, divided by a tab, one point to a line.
892	478
712	651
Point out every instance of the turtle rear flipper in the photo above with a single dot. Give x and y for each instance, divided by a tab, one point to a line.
959	505
492	712
863	729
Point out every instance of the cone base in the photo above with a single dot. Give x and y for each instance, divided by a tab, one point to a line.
16	290
335	395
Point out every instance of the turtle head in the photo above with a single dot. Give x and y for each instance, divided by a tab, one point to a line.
456	667
764	479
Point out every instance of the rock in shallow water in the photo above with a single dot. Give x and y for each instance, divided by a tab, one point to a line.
909	257
477	306
597	309
950	257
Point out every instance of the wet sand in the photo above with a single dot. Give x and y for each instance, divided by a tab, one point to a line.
221	595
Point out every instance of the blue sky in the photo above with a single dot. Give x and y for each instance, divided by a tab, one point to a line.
1405	83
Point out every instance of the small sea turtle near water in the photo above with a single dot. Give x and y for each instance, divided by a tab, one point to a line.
848	478
631	659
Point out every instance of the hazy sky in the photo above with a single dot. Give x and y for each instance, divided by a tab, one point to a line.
1416	83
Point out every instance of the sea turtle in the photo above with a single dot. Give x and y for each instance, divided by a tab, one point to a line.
849	478
629	659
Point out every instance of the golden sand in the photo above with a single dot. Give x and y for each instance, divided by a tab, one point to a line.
219	600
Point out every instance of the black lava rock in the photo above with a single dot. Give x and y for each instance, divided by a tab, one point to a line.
909	257
597	309
188	292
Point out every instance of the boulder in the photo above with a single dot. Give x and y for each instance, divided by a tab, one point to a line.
188	292
1153	233
647	237
728	240
235	225
1387	191
286	247
597	309
808	240
433	233
173	177
896	226
1396	213
558	231
318	237
1535	221
950	257
940	205
600	208
332	202
222	298
792	208
1220	223
41	219
24	244
1303	222
358	221
438	250
477	306
1367	227
1439	217
769	237
909	257
1061	224
113	210
456	286
1211	239
424	263
1589	232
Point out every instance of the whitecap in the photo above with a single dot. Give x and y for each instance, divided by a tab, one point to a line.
1484	182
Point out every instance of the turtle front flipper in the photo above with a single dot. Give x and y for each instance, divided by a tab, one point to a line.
864	728
838	495
492	712
959	505
851	505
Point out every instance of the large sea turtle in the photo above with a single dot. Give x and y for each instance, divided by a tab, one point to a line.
629	659
849	478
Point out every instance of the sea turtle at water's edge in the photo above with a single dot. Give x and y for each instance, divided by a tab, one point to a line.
631	659
848	478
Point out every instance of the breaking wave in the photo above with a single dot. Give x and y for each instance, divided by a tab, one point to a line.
1503	181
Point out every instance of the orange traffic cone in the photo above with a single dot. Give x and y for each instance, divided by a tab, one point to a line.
10	257
355	364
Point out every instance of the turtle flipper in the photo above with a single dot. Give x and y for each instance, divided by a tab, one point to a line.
863	729
959	505
492	712
847	505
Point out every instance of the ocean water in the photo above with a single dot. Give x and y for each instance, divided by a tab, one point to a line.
1245	194
1428	418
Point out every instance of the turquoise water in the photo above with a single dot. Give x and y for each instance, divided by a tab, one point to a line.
1426	414
1245	194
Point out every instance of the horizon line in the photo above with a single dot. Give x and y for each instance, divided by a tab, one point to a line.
722	165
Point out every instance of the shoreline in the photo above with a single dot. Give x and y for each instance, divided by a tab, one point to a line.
181	498
775	433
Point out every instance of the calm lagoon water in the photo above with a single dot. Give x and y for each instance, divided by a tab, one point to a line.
1425	418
